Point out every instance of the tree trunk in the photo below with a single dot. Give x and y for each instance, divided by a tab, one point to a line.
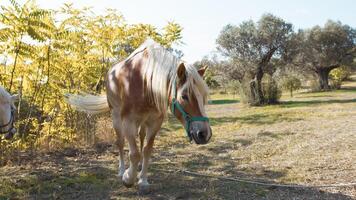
291	91
258	78
256	93
13	70
323	76
259	97
17	53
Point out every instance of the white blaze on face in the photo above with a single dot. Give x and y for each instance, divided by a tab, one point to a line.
200	100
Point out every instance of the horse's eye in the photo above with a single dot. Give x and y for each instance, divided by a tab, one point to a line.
185	97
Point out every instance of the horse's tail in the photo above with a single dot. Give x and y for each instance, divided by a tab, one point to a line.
88	103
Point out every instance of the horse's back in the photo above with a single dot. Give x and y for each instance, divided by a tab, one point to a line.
125	86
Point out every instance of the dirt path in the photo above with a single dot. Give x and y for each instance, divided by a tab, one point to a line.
307	140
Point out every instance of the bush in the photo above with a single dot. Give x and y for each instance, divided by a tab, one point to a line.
335	84
270	89
210	80
271	92
314	85
244	90
290	84
337	76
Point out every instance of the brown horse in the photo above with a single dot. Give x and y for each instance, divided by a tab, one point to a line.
140	90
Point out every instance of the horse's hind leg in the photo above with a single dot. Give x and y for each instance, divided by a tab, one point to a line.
120	142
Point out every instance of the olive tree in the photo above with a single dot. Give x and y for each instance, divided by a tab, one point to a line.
251	46
322	49
291	83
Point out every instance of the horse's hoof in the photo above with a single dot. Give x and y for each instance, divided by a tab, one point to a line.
144	189
126	180
128	185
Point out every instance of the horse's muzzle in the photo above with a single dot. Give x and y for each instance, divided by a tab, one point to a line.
201	137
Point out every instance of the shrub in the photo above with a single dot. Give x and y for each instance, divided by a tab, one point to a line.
290	84
210	80
337	76
314	85
271	91
244	90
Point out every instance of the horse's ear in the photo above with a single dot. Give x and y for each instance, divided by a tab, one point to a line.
202	70
15	97
181	71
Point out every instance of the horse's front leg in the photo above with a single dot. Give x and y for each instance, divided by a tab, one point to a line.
142	133
152	128
130	131
120	141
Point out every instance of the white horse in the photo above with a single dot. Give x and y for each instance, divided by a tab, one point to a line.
7	109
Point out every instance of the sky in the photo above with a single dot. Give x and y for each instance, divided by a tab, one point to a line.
202	20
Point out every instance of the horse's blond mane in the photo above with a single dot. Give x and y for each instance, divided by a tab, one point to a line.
160	72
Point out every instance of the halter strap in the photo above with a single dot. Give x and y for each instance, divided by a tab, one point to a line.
187	118
11	123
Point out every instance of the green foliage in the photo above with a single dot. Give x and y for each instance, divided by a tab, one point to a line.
270	89
322	49
213	74
210	80
338	75
44	56
251	46
245	91
291	83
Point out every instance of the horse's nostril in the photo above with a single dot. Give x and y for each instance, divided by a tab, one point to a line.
200	134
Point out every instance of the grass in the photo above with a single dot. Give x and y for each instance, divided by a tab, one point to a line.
223	101
305	140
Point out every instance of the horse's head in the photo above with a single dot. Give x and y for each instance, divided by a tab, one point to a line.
7	108
189	95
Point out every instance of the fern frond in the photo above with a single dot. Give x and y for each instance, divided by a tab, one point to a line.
16	5
35	35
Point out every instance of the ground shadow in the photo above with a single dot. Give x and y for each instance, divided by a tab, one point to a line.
274	135
57	176
223	101
184	186
293	104
327	93
93	179
313	96
257	119
347	89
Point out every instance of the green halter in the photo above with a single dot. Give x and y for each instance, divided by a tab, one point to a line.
187	118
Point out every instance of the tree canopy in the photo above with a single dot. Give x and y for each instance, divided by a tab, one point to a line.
251	46
321	49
